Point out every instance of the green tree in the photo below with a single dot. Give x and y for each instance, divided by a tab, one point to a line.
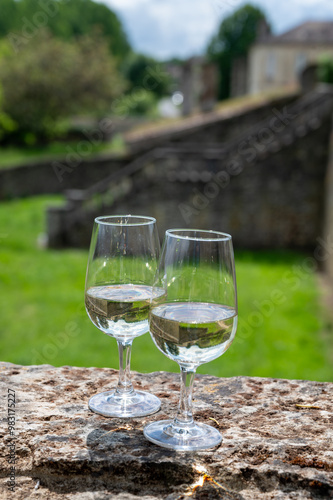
65	19
325	69
145	73
8	15
236	34
50	79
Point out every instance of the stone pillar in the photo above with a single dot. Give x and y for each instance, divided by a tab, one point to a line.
209	86
239	74
187	88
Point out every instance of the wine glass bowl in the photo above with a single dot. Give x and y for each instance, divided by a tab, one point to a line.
193	322
121	267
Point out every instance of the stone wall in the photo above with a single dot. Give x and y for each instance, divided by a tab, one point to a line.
52	177
277	439
218	127
76	171
263	181
275	201
266	186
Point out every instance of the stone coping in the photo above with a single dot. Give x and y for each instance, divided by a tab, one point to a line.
277	439
227	110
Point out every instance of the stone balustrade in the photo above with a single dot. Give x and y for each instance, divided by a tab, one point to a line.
277	439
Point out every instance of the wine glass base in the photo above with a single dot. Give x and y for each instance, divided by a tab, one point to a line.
195	437
136	404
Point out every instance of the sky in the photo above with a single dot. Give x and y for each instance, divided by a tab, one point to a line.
182	28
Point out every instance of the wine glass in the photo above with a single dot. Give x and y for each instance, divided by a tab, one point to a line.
193	323
121	267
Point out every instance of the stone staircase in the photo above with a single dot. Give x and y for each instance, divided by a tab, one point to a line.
193	163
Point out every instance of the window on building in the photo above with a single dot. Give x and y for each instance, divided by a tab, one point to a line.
271	66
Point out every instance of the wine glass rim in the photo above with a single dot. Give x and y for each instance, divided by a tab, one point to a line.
191	236
142	220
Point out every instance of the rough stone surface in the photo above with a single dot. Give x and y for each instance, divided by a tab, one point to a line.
277	439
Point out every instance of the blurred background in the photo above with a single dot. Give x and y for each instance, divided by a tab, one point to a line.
211	115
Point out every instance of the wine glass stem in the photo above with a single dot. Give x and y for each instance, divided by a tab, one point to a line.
124	386
184	414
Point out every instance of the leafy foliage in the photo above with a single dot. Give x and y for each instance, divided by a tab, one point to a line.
139	102
68	58
66	19
9	13
236	34
7	125
57	79
146	73
325	69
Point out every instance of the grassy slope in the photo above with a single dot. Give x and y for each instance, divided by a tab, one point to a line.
43	320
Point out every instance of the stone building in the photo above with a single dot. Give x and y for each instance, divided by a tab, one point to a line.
279	61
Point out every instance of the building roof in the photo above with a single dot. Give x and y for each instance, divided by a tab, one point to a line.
318	32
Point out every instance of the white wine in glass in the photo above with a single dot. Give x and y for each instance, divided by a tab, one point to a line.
121	267
193	322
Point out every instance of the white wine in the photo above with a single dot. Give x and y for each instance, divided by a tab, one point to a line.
119	310
193	332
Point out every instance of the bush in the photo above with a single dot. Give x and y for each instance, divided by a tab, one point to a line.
325	69
49	80
7	125
138	102
146	73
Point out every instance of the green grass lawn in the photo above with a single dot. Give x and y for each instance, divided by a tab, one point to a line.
282	329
